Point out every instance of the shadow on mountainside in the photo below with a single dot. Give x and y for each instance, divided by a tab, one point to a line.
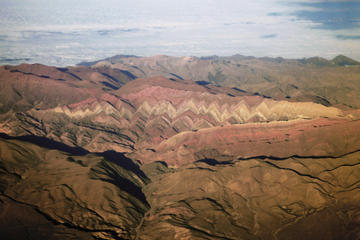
113	169
48	143
121	160
115	157
109	173
213	162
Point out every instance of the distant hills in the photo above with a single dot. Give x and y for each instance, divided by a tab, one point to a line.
328	82
339	60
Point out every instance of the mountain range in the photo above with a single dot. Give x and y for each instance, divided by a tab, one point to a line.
181	148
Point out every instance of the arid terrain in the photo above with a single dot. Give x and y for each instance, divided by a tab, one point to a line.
181	148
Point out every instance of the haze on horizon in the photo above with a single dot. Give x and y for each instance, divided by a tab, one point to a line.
66	32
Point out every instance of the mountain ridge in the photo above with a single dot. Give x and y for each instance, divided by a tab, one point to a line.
328	82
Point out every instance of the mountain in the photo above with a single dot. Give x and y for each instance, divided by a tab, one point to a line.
144	112
339	60
342	60
146	148
328	82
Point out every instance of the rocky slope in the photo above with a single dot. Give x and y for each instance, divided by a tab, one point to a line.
95	193
92	152
257	198
107	196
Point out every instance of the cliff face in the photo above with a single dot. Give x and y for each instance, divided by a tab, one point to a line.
94	152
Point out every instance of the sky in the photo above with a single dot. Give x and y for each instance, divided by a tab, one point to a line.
66	32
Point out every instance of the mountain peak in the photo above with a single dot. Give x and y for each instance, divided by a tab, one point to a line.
342	60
